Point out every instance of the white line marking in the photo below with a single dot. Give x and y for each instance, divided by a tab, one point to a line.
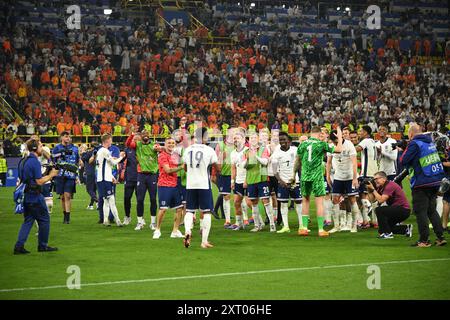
203	276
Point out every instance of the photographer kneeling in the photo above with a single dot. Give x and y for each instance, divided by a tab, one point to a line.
396	210
35	207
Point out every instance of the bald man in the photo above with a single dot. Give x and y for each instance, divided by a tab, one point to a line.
421	155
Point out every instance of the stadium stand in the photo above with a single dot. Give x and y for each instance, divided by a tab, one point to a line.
286	66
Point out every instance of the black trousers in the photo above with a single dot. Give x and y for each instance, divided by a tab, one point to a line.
146	182
91	188
424	207
389	216
130	188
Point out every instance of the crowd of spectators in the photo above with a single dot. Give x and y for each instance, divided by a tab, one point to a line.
99	80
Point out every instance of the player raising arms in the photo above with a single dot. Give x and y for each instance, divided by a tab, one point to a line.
168	193
238	173
344	185
309	158
257	159
283	161
197	159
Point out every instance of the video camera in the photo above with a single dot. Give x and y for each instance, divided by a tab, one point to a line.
402	175
60	166
444	186
402	144
367	181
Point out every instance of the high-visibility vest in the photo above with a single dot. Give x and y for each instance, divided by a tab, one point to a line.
405	132
251	127
328	126
225	127
148	127
86	130
117	130
285	127
3	166
166	130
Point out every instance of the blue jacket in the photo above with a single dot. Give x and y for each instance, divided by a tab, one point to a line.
30	171
428	174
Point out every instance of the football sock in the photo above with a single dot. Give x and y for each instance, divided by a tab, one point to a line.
269	212
227	209
298	208
284	214
206	227
188	219
320	223
305	222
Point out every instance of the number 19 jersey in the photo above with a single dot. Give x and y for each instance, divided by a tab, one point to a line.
198	158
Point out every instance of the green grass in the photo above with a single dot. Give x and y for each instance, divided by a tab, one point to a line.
121	254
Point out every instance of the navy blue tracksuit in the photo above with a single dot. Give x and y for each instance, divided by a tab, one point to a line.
130	179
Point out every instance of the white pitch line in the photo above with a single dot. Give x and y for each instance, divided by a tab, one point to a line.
204	276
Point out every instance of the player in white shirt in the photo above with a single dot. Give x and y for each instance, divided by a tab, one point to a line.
105	179
238	174
283	160
369	166
198	158
344	185
388	154
273	182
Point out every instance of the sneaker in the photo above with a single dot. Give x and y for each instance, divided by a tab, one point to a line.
246	223
236	227
153	226
107	223
156	234
440	242
365	225
255	229
177	234
334	230
386	236
47	249
374	225
346	228
226	225
409	229
126	221
90	207
354	229
20	250
303	232
421	244
284	230
324	233
273	228
187	240
206	245
139	226
119	224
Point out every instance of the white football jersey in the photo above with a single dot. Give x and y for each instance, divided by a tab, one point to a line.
198	158
237	160
43	160
388	156
272	148
369	156
105	163
283	163
342	162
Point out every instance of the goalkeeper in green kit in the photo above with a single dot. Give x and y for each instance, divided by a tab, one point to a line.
309	159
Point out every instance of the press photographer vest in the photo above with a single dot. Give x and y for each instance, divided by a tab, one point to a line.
429	162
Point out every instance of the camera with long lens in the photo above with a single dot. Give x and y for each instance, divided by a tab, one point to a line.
60	166
367	180
402	175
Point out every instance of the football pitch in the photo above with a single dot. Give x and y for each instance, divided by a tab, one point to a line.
120	263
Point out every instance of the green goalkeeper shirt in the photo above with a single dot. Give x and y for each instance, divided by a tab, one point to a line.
311	153
147	157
